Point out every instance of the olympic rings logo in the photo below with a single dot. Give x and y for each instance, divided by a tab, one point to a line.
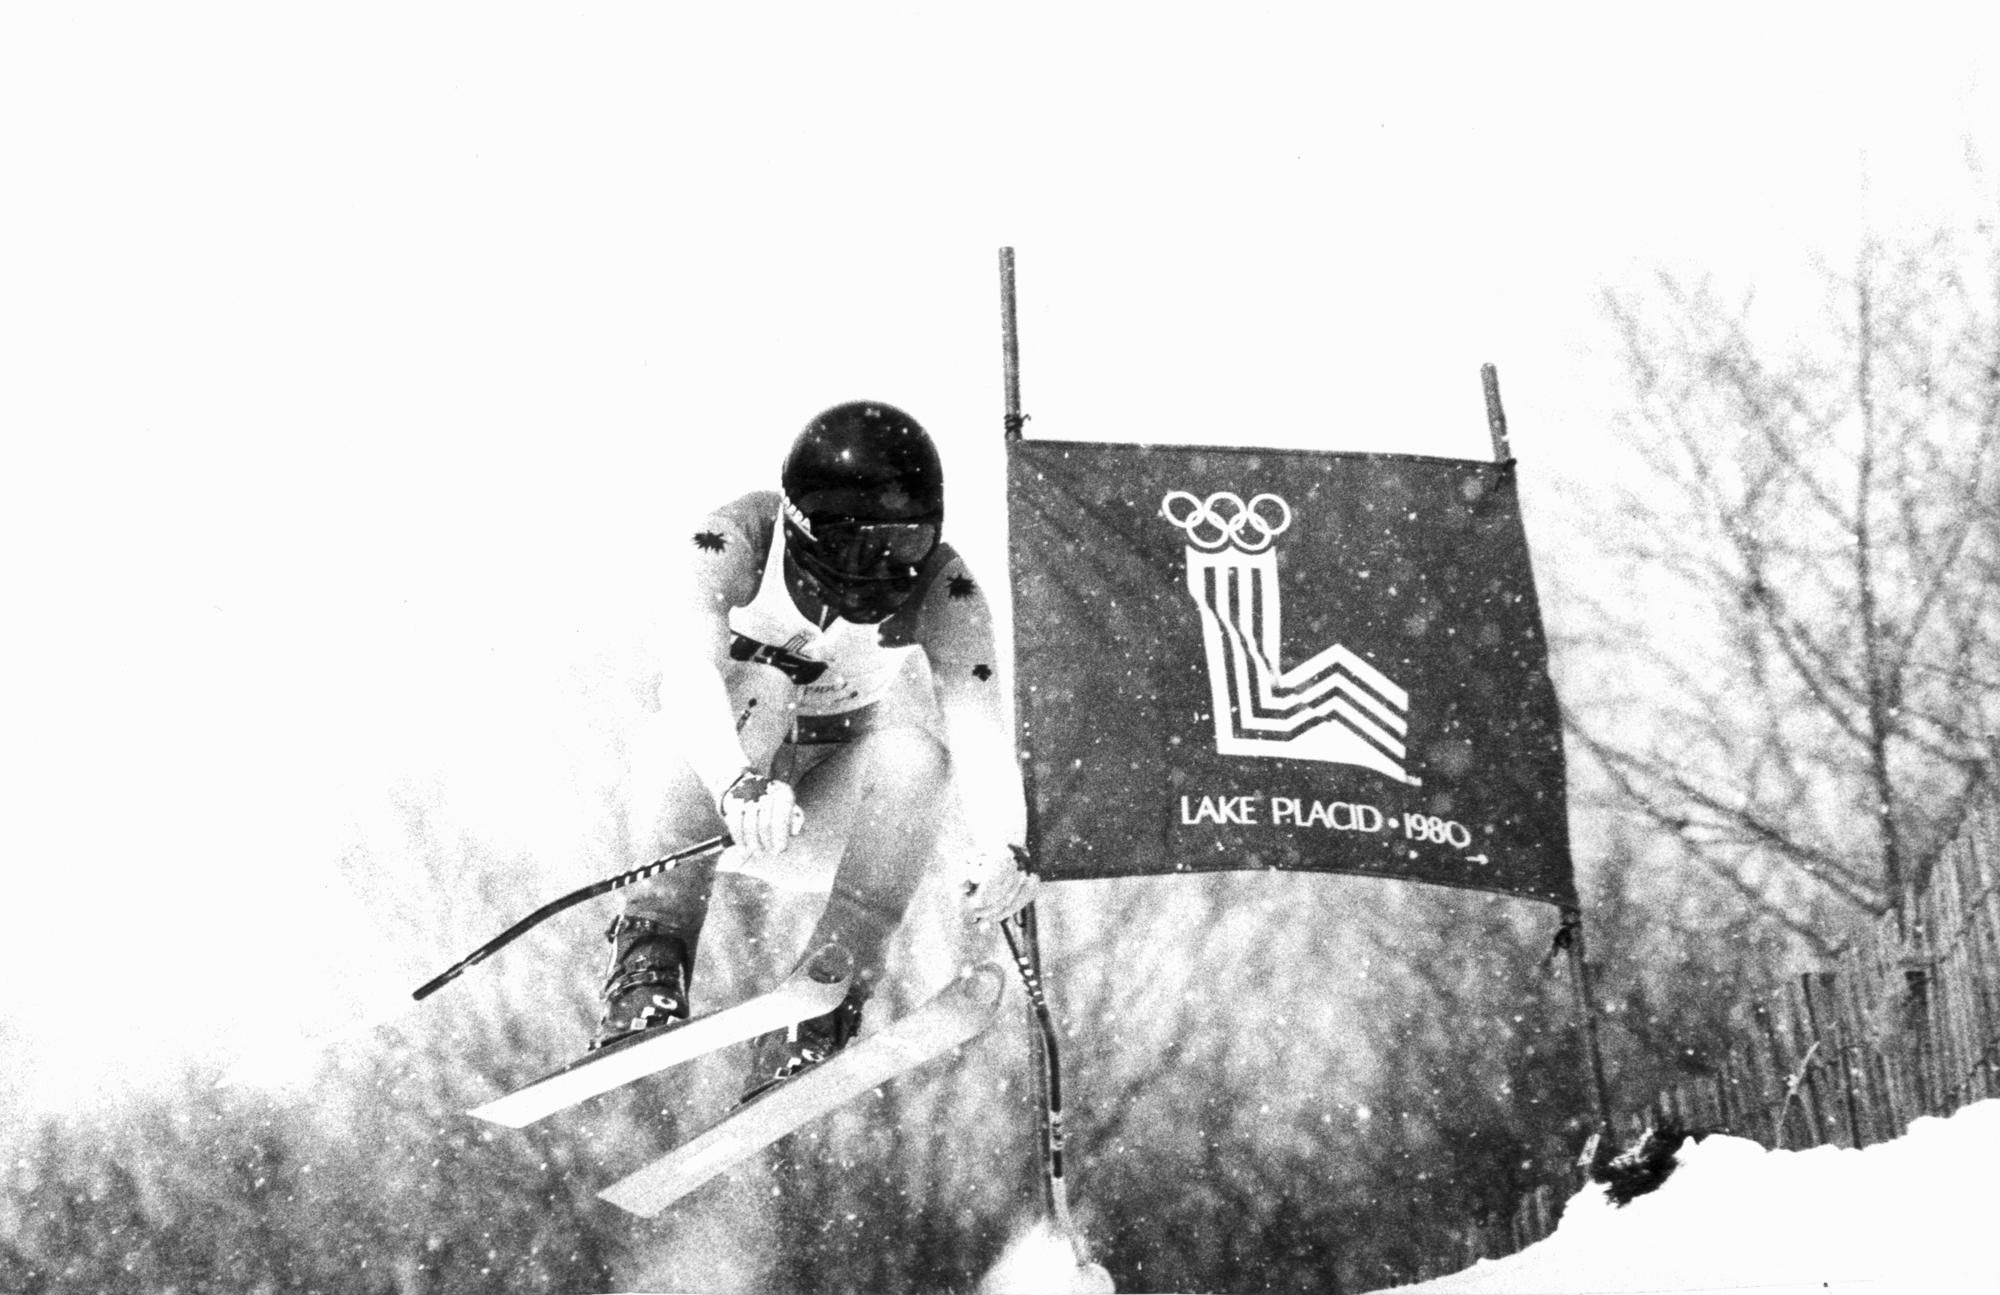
1223	518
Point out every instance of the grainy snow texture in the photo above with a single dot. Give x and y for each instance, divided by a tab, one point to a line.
1913	1216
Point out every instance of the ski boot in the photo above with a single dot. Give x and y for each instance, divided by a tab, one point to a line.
785	1054
646	986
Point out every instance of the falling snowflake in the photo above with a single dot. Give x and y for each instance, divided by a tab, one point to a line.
710	541
960	586
982	672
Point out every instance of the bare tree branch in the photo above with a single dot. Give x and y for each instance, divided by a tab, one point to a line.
1802	679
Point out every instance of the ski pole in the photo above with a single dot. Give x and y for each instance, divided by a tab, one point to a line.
573	898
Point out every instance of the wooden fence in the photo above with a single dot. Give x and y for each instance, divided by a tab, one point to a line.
1906	1023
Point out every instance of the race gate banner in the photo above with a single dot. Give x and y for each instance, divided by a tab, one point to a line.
1230	659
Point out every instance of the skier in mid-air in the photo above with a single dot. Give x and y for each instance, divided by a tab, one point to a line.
832	678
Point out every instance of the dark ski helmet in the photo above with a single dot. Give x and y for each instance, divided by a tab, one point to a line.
864	507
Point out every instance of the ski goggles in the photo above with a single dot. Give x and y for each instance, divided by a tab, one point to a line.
873	549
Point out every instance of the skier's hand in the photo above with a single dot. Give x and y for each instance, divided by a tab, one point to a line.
998	884
761	813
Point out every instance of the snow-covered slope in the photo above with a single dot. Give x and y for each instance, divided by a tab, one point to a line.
1916	1216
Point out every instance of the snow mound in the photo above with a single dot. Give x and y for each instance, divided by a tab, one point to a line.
1915	1214
1042	1261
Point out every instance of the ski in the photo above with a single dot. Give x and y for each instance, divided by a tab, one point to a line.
813	990
955	1015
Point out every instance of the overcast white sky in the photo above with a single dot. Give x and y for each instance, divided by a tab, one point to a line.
351	361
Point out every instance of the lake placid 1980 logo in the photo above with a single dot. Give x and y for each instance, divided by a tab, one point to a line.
1334	707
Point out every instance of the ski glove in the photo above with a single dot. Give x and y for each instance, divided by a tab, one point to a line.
998	884
761	813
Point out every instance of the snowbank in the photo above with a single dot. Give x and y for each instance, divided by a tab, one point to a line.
1914	1215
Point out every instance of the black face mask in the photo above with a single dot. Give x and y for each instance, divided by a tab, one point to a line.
864	571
